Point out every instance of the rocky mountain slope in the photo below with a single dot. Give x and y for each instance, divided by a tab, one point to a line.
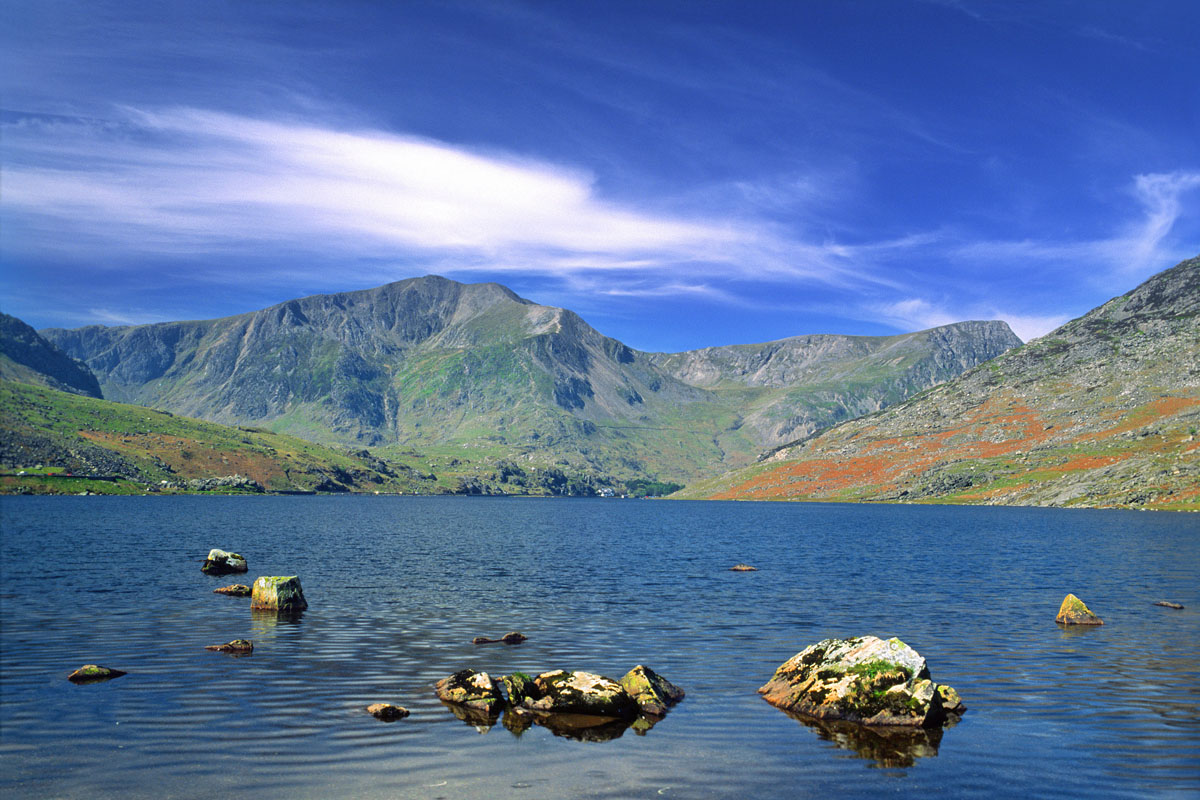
480	374
26	357
1104	411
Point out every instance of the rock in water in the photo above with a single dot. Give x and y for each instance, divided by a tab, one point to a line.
234	590
387	712
743	568
471	689
220	562
864	679
236	646
512	637
1168	604
1073	611
653	693
581	693
91	673
278	593
519	687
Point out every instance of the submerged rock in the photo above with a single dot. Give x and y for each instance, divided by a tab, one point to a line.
864	680
508	638
279	593
653	693
564	692
236	646
743	568
1073	611
1168	604
234	590
220	562
387	712
471	689
91	673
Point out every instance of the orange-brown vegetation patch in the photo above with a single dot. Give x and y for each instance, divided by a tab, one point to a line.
1089	462
1140	416
191	459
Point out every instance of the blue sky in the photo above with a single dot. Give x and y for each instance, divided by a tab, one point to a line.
682	174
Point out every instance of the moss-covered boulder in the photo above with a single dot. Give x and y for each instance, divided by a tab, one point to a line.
278	593
1074	611
653	693
562	692
865	680
92	673
220	562
387	711
519	687
233	590
471	689
238	646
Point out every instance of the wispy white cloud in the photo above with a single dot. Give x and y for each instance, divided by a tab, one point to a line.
916	313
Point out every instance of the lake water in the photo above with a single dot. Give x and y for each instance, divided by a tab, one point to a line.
397	587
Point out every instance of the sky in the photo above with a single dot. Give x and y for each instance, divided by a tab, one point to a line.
682	173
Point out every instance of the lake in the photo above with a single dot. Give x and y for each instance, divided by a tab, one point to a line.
398	586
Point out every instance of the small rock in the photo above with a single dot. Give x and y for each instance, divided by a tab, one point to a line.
1168	604
387	712
653	693
279	593
508	638
236	646
1073	611
472	689
234	590
743	568
220	562
91	673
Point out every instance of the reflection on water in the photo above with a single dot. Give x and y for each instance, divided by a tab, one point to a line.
265	620
886	747
578	727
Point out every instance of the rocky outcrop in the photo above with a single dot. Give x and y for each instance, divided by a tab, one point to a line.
864	680
1074	611
278	593
387	712
653	693
561	692
472	689
92	673
225	482
220	562
237	646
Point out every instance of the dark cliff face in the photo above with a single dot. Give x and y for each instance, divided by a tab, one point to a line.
429	361
26	357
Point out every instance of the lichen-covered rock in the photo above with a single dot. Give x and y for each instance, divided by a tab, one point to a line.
387	712
91	673
278	593
236	646
1073	611
220	562
653	693
234	590
519	687
564	692
864	679
471	689
743	568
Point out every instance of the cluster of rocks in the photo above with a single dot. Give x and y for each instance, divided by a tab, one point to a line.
225	482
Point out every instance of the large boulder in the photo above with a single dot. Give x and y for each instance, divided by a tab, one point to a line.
865	680
471	689
1074	611
561	692
278	593
653	693
219	562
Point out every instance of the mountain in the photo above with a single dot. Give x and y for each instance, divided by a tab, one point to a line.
474	374
66	443
26	357
1103	411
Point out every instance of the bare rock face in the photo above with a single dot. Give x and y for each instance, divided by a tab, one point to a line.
562	692
220	562
865	680
387	712
92	673
1074	611
278	593
471	689
653	693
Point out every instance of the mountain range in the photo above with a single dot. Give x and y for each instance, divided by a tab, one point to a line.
485	382
1103	411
